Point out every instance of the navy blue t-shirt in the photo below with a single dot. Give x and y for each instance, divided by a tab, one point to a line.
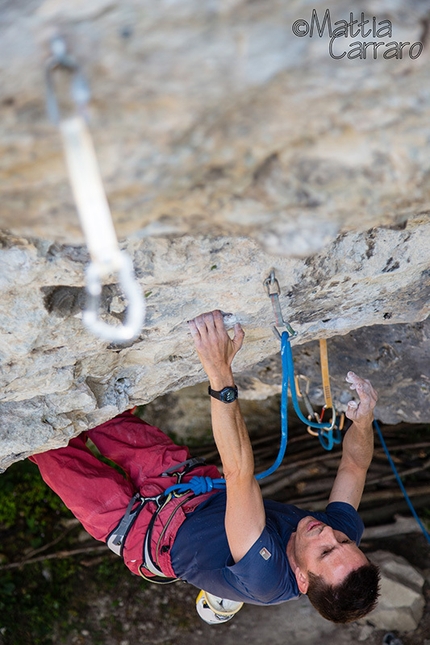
201	555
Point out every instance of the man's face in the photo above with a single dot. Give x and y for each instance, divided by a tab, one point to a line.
325	552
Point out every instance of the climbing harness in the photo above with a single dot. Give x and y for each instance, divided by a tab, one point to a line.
92	205
116	539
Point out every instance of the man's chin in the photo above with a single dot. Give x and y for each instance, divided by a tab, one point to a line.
302	525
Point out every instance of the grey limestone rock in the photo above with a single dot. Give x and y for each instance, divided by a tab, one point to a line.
402	602
228	145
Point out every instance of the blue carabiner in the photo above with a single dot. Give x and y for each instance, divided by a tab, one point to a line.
328	438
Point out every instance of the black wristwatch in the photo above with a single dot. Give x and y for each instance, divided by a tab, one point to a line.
226	395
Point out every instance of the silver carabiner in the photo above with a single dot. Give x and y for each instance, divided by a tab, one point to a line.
135	314
273	291
79	90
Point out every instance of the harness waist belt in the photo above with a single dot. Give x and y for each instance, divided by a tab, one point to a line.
116	539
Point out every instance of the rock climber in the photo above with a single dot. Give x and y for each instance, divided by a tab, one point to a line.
231	543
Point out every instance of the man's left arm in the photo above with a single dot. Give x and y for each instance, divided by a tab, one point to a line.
245	516
357	448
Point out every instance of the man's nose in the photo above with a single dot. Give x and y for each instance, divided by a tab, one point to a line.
328	533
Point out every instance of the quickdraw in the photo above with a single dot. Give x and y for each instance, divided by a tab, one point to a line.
92	205
328	433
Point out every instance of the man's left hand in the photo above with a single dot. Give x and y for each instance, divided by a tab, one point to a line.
361	412
214	346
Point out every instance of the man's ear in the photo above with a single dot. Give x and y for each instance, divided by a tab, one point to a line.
302	580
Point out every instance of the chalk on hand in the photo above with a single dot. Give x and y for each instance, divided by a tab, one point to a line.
229	320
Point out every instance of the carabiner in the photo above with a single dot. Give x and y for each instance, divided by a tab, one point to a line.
273	291
333	417
314	433
304	378
329	436
135	314
79	90
303	394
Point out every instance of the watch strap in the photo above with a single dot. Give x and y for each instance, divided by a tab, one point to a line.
226	395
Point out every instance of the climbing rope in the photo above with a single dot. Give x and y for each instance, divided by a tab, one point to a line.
92	205
399	481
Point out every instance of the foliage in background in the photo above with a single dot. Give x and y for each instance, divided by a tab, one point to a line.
23	494
42	595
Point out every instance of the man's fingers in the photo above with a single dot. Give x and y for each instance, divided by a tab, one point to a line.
363	386
204	323
367	395
218	318
351	410
193	328
210	322
238	337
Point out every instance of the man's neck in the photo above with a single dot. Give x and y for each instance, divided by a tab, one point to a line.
291	544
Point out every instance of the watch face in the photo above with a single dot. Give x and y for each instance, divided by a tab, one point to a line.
229	394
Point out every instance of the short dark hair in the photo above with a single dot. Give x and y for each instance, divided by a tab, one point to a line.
352	599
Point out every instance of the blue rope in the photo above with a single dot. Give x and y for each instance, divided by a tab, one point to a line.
200	485
399	481
326	436
288	366
284	420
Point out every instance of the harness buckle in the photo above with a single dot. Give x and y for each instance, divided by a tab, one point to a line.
117	537
188	464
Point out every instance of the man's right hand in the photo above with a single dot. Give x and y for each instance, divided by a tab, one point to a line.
357	446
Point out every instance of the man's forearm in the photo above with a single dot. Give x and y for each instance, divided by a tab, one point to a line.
357	447
230	433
